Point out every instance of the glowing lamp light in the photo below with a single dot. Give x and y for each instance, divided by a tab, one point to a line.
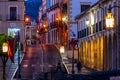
64	19
57	19
5	47
109	20
62	49
46	30
37	31
87	22
44	25
27	19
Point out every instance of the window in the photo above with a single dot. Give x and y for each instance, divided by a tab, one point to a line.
52	18
13	13
98	16
105	11
84	7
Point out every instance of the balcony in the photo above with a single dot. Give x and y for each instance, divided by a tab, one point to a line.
44	16
43	30
53	24
54	6
58	24
13	18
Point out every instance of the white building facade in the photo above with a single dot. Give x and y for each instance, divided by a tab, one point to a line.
75	7
54	13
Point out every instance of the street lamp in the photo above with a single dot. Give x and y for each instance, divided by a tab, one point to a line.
44	25
58	30
110	23
45	28
27	19
17	37
4	58
5	47
37	31
62	49
109	20
64	19
57	19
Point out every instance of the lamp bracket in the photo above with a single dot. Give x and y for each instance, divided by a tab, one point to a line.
109	9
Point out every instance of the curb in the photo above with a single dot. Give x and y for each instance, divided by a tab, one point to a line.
68	72
17	67
63	62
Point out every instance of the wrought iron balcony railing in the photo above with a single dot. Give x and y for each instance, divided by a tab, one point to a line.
13	17
58	24
57	5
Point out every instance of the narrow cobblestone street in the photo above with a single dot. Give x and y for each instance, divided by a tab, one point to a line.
41	61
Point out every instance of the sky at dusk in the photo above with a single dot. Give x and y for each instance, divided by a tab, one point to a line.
32	8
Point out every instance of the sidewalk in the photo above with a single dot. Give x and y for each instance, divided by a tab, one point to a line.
68	64
67	61
11	68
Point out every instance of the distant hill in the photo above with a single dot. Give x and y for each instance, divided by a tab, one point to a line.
32	8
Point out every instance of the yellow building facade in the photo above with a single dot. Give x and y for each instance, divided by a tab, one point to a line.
99	46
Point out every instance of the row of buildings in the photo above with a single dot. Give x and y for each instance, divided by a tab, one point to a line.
84	20
56	15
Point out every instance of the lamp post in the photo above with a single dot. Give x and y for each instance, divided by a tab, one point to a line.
19	75
27	26
4	58
73	43
59	30
44	33
64	19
